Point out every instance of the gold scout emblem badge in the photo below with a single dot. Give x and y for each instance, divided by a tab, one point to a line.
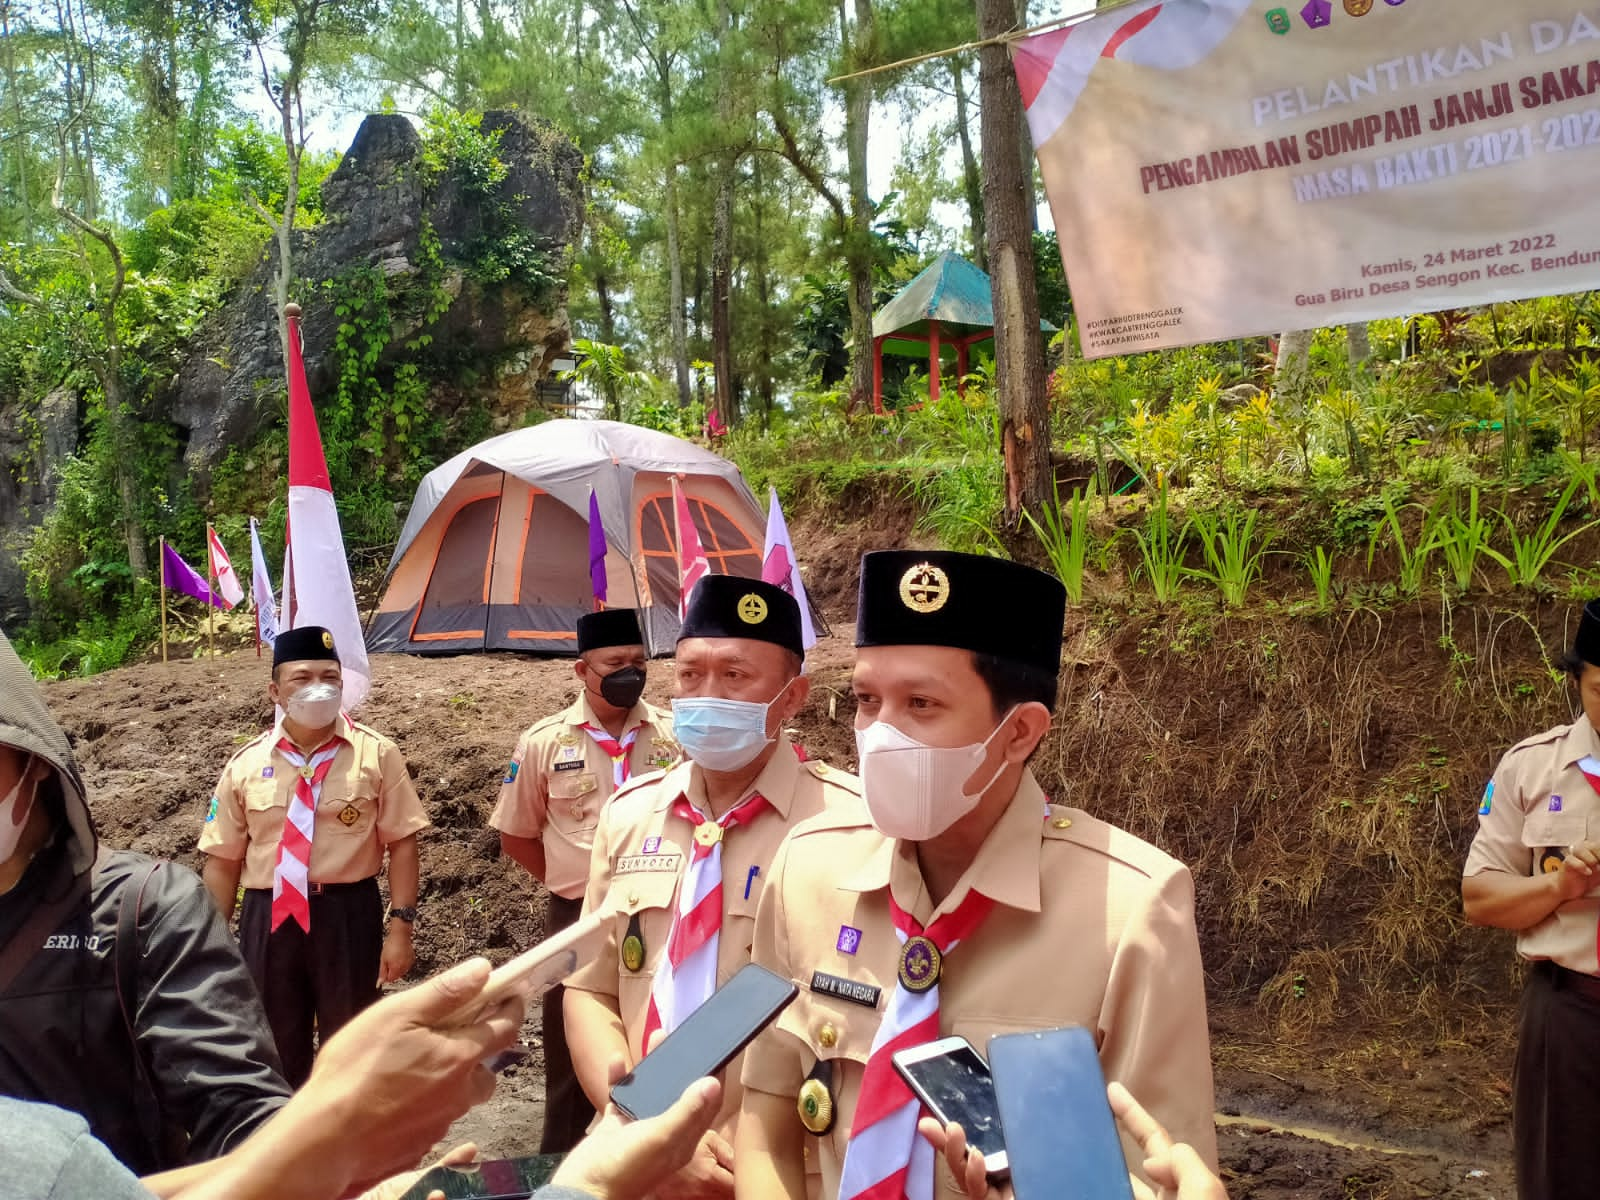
307	771
1358	8
752	609
327	640
708	833
919	964
924	588
567	739
349	815
815	1106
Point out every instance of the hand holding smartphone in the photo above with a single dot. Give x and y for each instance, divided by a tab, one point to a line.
535	971
1061	1138
706	1041
953	1083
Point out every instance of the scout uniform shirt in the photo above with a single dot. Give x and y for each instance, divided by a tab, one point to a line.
367	802
640	853
1090	926
1538	803
559	778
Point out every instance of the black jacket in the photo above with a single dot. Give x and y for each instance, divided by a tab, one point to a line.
205	1072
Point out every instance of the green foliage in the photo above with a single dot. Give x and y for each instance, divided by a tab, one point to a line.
1411	556
1161	549
1319	566
1532	552
1463	539
1233	551
1064	536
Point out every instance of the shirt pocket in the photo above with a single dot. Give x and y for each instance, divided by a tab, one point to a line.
739	917
647	896
1546	836
571	785
265	805
347	816
839	1033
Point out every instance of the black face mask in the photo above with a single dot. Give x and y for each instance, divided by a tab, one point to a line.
622	689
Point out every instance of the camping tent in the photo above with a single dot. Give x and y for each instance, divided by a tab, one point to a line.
495	552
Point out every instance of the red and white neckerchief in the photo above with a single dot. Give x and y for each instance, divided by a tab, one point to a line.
688	972
616	749
884	1159
290	882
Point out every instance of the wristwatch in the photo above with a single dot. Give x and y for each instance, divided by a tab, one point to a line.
408	915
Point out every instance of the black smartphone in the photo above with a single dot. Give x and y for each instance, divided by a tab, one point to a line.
953	1083
706	1042
496	1179
1061	1138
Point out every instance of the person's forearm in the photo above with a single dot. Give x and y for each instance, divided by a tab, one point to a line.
1509	901
526	852
221	876
768	1146
170	1184
275	1164
404	873
595	1037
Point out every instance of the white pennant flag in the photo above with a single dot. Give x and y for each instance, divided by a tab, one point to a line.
261	590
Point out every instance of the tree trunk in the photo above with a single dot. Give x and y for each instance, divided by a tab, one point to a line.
1360	343
971	175
764	381
1293	368
608	322
1018	346
1030	195
722	242
859	52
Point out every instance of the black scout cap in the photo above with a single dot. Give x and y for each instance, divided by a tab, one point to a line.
608	627
1586	645
729	606
302	645
969	601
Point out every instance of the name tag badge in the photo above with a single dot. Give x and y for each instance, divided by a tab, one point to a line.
656	864
575	765
864	994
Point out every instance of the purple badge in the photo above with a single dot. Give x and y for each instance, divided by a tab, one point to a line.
266	772
1317	13
1555	803
652	845
849	939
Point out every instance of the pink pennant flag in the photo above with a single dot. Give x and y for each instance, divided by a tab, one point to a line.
222	569
780	567
692	564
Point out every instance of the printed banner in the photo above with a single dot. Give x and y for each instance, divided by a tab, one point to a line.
1225	168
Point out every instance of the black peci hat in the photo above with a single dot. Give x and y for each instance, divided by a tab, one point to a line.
304	644
1586	645
608	627
969	601
730	606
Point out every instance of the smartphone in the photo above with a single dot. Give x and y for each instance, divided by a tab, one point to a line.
534	972
706	1041
953	1083
497	1179
1061	1137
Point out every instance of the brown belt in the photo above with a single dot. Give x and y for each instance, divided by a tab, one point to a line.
317	889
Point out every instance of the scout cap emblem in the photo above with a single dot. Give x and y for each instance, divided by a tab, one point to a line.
919	964
815	1107
752	609
708	833
924	588
327	640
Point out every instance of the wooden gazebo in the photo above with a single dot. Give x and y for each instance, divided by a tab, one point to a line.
948	304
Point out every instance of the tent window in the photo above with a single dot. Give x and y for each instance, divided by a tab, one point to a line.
555	543
453	605
729	550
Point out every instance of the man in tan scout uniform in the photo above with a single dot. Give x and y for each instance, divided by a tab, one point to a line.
302	817
1534	867
564	769
957	899
697	841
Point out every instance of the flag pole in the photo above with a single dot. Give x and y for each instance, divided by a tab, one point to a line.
161	576
211	594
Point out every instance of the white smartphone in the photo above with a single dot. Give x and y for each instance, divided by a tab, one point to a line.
953	1083
534	972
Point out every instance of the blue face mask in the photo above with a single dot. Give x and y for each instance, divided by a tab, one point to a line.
722	735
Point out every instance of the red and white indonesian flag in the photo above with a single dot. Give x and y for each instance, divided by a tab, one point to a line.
222	569
316	575
779	566
692	564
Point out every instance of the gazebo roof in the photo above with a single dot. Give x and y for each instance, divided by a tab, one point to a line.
949	290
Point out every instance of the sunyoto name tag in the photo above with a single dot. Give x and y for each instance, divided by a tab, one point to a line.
633	864
864	994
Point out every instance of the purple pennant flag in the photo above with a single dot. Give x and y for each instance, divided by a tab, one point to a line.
597	552
181	577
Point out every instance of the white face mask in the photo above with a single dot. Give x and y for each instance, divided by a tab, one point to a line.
722	735
315	706
14	812
915	792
